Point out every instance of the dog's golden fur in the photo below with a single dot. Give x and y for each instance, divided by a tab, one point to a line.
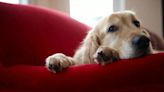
112	44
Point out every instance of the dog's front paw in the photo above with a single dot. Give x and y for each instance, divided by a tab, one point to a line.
57	62
105	55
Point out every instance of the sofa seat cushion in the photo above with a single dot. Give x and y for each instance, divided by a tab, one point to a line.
127	75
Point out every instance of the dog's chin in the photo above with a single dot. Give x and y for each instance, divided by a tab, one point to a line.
141	53
136	54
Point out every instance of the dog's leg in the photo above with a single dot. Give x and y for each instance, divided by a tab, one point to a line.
105	55
57	62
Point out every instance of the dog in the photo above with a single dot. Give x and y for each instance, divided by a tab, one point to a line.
117	36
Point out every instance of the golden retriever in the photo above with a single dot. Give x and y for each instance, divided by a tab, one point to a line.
118	36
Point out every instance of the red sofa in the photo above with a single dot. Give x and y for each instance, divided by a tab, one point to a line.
29	34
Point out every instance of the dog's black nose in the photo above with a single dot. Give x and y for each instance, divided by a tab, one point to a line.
141	42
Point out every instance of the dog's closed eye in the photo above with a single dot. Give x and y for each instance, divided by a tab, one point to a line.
112	28
136	23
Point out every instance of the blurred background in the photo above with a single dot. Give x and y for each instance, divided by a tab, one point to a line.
89	12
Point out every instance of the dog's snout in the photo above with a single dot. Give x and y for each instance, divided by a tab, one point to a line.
141	42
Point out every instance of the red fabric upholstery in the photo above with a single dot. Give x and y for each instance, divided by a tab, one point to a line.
29	34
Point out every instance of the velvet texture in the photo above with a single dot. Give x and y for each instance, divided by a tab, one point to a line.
29	34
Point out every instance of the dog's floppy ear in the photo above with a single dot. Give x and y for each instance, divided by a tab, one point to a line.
157	41
92	39
89	46
95	37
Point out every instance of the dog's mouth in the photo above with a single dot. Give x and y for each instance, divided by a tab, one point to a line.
141	53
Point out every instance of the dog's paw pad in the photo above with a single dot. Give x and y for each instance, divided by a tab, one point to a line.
57	62
106	55
55	68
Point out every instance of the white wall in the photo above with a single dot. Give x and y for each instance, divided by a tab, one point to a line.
148	11
61	5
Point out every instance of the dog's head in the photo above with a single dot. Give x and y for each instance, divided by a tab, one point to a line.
123	31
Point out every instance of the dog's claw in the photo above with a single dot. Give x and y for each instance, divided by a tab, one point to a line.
100	53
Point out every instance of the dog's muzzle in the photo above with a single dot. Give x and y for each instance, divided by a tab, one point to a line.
141	42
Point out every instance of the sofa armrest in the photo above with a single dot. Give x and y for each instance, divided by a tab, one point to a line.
29	34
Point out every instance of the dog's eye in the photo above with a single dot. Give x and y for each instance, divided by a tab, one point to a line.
112	28
136	23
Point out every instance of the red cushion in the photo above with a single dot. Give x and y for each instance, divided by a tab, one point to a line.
29	34
135	75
